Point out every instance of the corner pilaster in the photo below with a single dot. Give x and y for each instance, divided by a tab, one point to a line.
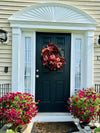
16	42
89	42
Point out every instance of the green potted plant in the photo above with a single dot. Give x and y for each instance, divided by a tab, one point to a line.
10	131
17	109
85	105
97	130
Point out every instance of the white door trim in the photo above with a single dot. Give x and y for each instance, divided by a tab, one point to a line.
87	59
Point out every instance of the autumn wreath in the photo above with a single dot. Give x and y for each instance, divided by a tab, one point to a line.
52	57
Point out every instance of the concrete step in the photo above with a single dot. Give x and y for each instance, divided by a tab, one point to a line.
53	117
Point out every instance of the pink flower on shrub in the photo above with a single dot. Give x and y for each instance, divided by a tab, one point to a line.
68	101
76	99
87	120
7	103
87	107
85	104
72	96
81	94
84	101
90	114
92	110
19	110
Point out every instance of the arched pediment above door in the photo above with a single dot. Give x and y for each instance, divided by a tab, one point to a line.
52	13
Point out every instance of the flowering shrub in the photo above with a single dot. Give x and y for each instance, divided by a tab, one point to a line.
50	57
17	108
97	130
85	105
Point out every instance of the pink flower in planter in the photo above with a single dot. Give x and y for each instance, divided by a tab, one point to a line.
77	99
92	110
72	96
17	121
87	107
85	104
90	114
87	120
98	96
79	114
84	101
19	110
68	101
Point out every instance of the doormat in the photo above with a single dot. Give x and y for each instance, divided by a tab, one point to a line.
53	127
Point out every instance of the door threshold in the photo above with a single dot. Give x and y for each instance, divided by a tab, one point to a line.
53	117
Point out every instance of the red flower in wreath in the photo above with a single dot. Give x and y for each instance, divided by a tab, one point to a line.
50	57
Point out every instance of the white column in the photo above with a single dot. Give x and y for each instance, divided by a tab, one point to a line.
89	42
72	68
16	43
33	68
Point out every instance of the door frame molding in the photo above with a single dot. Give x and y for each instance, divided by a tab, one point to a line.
17	62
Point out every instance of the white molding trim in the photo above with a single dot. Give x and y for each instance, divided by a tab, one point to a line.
16	44
52	12
53	26
89	58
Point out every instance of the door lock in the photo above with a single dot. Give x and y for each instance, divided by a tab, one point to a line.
37	76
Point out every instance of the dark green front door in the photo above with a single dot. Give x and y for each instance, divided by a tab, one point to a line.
53	87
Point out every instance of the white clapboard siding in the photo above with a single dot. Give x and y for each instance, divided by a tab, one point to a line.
9	7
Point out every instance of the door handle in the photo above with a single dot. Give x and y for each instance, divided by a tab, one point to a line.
37	76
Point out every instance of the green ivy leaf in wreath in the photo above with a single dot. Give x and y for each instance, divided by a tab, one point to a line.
52	57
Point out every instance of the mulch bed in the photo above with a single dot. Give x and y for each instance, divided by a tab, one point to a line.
53	127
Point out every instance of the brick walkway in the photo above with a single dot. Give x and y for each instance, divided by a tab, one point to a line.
53	127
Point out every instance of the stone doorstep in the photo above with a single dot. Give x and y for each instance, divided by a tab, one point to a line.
27	130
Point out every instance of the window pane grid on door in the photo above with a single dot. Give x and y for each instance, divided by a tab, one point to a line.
27	70
78	64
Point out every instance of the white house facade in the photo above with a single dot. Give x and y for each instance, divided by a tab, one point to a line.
53	18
